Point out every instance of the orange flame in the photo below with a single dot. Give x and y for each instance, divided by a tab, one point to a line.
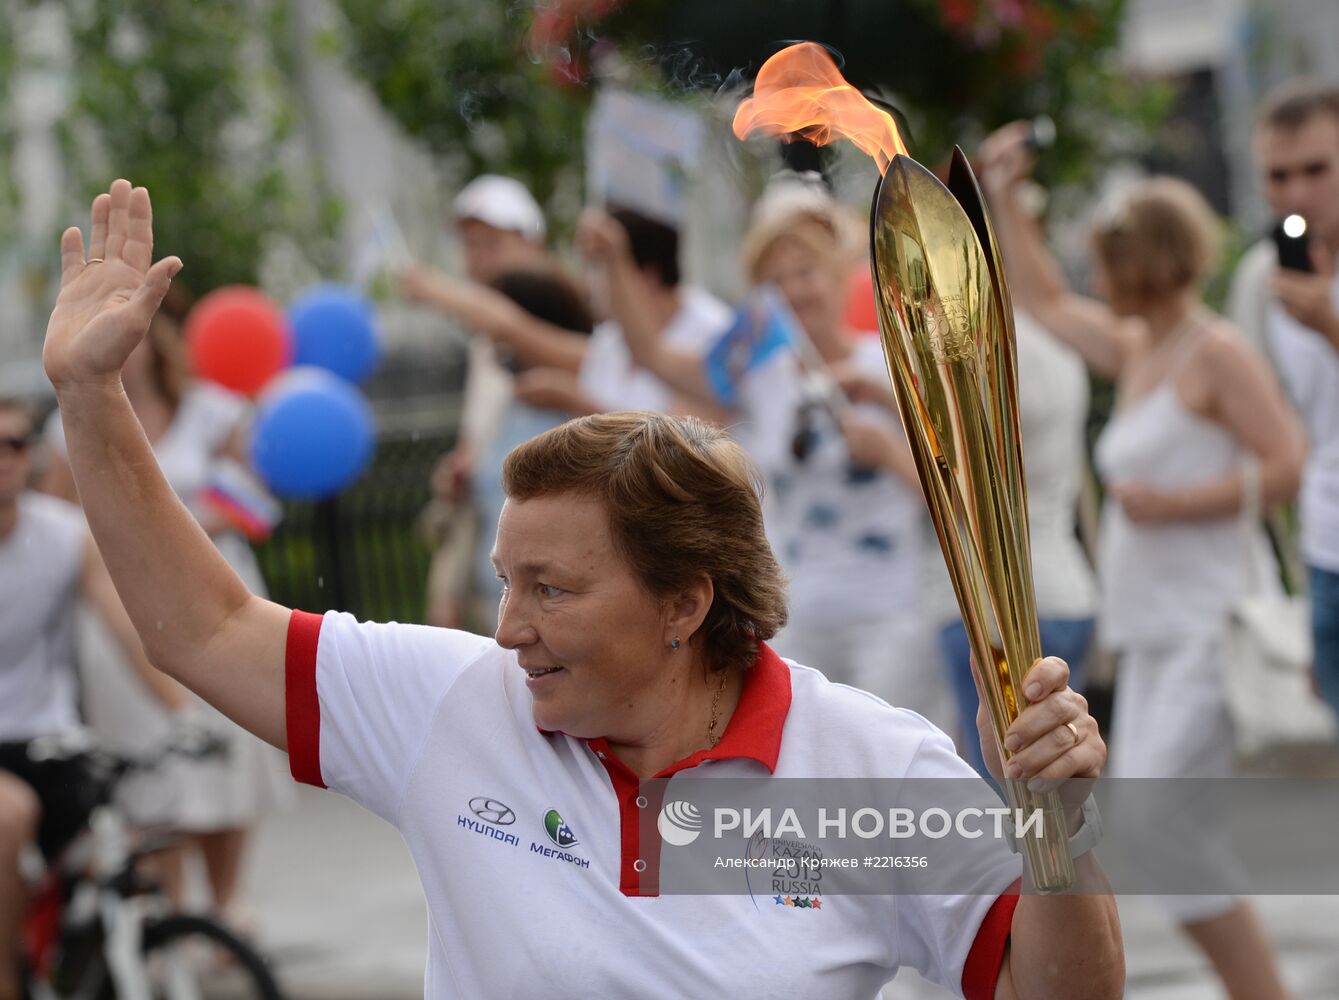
800	91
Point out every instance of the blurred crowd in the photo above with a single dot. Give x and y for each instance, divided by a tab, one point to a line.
1219	421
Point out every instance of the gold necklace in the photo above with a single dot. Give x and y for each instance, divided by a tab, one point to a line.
712	736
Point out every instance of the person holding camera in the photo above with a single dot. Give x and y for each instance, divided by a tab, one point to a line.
1285	297
1199	426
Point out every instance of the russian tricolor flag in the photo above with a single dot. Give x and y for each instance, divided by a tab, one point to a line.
241	499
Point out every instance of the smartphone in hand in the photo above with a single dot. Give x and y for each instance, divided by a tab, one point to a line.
1294	247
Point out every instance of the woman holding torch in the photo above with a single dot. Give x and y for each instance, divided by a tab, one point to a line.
639	591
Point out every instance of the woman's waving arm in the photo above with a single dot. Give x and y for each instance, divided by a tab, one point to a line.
491	313
1036	282
196	618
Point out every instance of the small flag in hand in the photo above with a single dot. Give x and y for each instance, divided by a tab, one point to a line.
237	495
763	327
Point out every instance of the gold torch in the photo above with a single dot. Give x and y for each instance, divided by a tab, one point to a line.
948	337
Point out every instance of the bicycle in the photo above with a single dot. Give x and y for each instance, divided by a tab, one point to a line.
98	929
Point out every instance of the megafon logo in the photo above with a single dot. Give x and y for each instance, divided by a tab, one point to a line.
558	830
679	823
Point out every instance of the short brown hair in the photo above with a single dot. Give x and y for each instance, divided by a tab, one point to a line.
1296	102
683	503
1163	240
654	244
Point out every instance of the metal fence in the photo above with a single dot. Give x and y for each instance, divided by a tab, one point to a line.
362	551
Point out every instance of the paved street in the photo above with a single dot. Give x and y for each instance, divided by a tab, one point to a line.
340	912
338	903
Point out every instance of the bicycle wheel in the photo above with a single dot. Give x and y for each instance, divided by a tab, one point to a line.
196	958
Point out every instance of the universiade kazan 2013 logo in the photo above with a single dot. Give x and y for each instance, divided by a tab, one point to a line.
679	823
787	869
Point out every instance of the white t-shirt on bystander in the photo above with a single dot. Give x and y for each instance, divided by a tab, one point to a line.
1309	366
849	538
41	563
611	380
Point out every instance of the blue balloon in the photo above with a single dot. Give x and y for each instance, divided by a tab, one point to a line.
313	434
335	328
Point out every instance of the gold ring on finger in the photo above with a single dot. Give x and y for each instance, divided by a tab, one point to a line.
95	260
1075	730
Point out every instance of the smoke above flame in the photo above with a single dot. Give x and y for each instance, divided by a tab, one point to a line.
800	91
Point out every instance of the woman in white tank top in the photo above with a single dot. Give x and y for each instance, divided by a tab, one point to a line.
1198	417
1170	578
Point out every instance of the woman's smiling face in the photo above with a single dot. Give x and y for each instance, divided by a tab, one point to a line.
812	286
593	641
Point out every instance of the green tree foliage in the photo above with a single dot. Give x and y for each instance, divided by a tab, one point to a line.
8	65
187	99
457	75
952	68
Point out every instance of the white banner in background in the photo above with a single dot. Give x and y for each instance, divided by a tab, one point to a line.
641	153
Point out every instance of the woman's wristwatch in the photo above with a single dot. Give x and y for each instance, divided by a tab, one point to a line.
1082	840
1089	833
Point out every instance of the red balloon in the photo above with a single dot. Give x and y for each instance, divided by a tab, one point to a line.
238	338
861	314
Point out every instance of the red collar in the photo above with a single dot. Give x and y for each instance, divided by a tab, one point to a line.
754	730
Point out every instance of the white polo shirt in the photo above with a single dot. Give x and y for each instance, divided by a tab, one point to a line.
528	843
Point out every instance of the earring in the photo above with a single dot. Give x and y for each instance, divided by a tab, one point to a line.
674	643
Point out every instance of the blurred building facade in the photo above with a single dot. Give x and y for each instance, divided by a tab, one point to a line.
1222	56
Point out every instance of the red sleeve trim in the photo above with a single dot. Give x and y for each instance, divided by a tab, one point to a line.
982	969
302	709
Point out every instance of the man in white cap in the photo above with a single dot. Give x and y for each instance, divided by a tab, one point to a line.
501	230
501	227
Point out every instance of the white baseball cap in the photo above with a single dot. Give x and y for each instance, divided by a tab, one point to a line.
501	202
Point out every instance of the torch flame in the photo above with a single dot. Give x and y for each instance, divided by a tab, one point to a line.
800	91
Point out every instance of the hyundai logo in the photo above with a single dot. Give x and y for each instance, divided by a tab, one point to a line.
492	811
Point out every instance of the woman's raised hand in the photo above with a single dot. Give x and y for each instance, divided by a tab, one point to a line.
601	237
107	299
1005	157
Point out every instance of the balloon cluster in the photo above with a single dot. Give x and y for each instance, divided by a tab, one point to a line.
313	432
